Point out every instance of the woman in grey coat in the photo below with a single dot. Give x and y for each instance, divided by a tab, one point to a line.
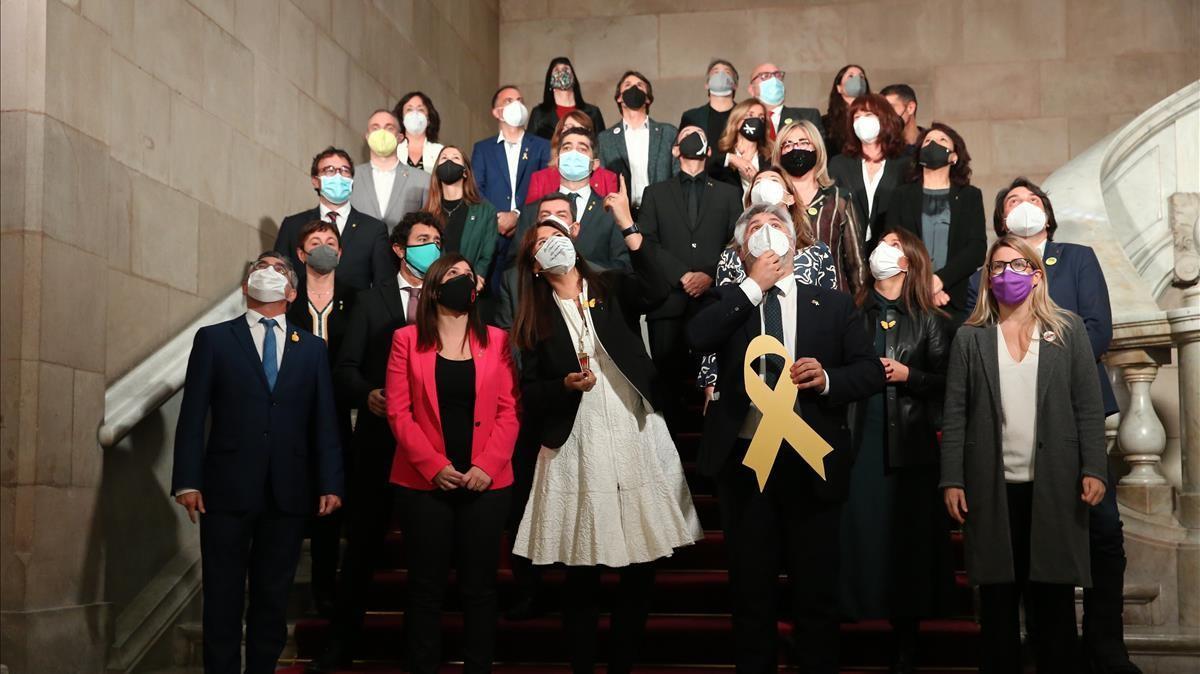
1023	458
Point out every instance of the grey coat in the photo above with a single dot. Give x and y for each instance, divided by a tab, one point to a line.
1070	444
660	164
408	193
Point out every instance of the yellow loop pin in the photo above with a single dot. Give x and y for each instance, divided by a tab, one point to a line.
779	419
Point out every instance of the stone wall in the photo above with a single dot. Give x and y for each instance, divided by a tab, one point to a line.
1028	83
149	150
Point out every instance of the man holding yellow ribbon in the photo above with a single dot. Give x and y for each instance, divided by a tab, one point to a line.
776	438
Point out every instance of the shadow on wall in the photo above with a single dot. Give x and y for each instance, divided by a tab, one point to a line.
268	230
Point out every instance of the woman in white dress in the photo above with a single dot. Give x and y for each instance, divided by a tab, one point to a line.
608	488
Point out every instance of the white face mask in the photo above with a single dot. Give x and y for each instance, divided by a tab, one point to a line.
1025	220
415	121
267	285
867	128
767	238
885	261
514	114
557	255
767	192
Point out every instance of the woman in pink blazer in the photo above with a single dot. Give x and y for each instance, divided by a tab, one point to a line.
547	181
452	405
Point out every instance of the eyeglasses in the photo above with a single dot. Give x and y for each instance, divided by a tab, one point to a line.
263	264
331	171
1020	265
789	145
761	77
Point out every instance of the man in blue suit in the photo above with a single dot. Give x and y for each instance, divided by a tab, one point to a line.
271	448
1077	285
503	166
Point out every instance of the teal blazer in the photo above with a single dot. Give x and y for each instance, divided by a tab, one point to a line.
479	237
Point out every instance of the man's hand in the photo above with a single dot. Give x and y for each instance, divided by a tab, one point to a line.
506	222
328	504
895	371
477	480
448	479
194	503
377	402
580	381
807	373
1093	490
956	503
617	203
695	283
768	269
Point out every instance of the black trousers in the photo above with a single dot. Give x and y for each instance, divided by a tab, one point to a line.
676	364
527	576
1104	601
1050	607
759	527
581	616
325	533
440	527
233	545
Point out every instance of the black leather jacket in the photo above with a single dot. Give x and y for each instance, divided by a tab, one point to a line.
913	408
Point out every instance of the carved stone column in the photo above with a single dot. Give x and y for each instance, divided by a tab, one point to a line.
1141	434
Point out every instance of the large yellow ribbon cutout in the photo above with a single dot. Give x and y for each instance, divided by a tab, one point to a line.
779	419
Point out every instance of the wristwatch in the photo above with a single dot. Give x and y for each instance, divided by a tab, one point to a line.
633	229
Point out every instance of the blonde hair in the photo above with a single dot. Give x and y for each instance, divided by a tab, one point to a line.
821	170
737	115
1049	316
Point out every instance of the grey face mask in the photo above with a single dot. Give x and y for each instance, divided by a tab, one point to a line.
855	86
323	259
720	84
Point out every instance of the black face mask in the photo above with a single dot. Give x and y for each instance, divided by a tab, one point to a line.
633	98
753	128
693	146
457	294
450	172
798	162
934	156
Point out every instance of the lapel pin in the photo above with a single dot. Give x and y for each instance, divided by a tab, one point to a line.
887	325
617	130
591	303
1049	336
816	303
812	210
1051	260
295	336
525	155
787	121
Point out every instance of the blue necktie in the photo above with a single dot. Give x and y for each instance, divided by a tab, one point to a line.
270	363
773	322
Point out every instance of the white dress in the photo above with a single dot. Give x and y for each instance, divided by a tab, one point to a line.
614	494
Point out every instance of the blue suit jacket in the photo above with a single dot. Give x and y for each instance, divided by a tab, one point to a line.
1077	285
491	169
283	443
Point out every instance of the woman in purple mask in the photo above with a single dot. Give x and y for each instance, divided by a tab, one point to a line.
1023	458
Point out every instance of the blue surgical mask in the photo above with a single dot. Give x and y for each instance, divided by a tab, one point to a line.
420	257
771	91
336	189
574	165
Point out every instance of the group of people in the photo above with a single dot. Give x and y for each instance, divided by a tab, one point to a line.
504	340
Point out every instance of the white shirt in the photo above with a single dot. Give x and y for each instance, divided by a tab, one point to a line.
384	179
1018	404
343	212
404	294
258	332
585	193
512	152
637	146
871	185
775	116
1041	249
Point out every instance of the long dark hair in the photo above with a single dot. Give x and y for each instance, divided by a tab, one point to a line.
891	127
428	337
435	120
917	291
547	104
433	202
835	112
960	171
536	308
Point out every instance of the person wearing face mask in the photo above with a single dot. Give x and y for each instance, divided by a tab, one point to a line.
322	305
722	87
465	217
548	180
820	203
504	165
1023	459
421	121
637	147
452	406
388	187
1076	283
904	101
766	84
872	163
690	219
898	564
561	95
743	147
584	367
940	205
792	509
848	84
365	259
256	455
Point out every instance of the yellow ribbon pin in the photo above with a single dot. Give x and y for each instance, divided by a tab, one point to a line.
779	419
1051	260
295	336
887	325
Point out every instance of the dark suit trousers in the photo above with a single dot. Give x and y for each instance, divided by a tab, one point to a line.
266	545
1050	608
1104	601
581	616
759	528
527	576
440	527
673	359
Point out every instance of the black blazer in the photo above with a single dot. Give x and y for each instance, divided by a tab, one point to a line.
796	114
366	256
343	302
847	171
684	246
968	237
706	118
728	175
599	239
829	328
259	441
543	119
360	365
616	318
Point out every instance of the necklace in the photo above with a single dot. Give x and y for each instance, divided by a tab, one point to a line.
450	211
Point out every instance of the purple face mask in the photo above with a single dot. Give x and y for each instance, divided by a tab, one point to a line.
1011	288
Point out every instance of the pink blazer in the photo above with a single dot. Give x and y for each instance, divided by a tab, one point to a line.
412	407
547	181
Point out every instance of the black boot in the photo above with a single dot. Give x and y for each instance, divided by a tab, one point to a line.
904	655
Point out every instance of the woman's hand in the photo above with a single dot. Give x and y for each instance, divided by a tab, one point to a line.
580	381
896	371
448	479
941	299
477	480
1093	490
479	281
938	286
956	503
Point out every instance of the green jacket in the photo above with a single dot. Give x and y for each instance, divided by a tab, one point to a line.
479	237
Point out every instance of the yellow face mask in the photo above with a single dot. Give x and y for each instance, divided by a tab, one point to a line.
382	142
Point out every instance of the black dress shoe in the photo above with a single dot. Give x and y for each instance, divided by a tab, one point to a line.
525	608
335	656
